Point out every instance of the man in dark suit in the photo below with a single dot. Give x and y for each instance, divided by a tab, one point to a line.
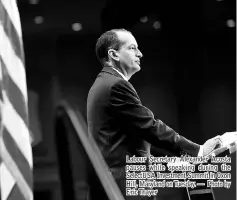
116	118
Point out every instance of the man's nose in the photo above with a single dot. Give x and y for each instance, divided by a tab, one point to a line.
139	53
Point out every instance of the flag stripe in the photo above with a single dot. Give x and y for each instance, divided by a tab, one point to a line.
14	65
15	194
18	157
12	10
13	92
1	88
7	181
19	131
11	32
11	165
16	162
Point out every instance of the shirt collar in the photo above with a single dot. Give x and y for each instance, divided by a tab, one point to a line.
121	74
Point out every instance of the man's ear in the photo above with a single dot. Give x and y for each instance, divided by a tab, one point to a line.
113	54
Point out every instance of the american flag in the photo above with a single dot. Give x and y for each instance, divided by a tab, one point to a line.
15	142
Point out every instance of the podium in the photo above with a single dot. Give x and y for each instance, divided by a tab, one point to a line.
202	192
228	194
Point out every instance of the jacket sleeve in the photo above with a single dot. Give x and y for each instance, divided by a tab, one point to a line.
140	121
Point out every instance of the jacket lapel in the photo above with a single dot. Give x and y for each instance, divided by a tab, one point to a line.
113	72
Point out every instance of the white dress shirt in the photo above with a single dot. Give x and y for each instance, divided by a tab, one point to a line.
125	78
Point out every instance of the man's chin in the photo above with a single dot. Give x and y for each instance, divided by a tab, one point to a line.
138	68
135	69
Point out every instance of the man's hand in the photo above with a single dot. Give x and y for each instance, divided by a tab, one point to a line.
211	144
228	138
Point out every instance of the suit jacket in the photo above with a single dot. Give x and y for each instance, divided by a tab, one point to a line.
122	126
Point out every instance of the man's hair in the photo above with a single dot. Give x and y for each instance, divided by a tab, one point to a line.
108	40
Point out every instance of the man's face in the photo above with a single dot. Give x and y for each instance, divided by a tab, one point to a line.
129	55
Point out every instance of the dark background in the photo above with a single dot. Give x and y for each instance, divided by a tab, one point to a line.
188	75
